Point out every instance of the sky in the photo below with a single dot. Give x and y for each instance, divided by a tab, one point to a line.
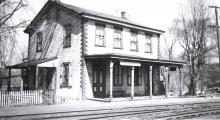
157	14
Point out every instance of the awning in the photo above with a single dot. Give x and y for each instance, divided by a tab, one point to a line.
134	59
45	62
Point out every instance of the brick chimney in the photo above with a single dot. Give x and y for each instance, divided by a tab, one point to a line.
125	15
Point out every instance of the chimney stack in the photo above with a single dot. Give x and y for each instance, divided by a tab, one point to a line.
125	15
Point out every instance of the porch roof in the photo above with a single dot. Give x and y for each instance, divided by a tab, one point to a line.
135	58
31	63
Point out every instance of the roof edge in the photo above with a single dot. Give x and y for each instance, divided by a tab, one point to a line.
158	31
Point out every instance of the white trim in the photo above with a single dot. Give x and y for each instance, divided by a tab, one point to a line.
53	63
125	63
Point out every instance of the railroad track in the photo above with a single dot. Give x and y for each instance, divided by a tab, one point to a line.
174	111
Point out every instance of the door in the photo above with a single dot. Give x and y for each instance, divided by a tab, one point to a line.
98	81
147	83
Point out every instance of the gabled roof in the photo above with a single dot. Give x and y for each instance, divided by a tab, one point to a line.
89	13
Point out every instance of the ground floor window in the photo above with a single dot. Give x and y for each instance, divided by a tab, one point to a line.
118	75
137	76
65	79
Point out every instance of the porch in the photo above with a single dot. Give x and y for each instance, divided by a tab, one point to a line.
114	76
36	74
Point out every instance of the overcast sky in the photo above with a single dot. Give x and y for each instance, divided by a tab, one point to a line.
152	13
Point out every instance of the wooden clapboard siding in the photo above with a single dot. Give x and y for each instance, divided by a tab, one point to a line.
71	54
109	39
82	43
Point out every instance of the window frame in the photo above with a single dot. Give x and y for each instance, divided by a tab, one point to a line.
116	33
66	75
118	75
39	42
148	44
97	30
128	76
48	16
58	14
68	36
134	41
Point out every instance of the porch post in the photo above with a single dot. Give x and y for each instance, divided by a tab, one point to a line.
167	84
111	81
180	80
132	83
9	80
150	77
22	85
36	78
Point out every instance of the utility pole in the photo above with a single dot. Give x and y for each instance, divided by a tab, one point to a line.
217	29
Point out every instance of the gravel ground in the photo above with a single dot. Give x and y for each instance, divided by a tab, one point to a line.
143	117
207	117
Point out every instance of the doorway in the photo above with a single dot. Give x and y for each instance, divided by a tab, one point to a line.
99	88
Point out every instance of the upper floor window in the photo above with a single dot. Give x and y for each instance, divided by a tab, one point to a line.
65	80
137	76
48	16
67	39
100	35
118	38
148	44
39	42
134	42
118	75
58	14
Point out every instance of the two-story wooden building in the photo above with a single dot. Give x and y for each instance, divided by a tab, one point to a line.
87	54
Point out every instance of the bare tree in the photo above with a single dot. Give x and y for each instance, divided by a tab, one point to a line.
8	26
169	43
194	36
168	53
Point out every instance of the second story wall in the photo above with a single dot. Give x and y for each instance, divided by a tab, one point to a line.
52	33
126	37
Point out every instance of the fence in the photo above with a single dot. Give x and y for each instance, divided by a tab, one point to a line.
31	97
64	98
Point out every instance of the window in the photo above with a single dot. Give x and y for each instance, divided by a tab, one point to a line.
65	79
67	39
48	16
118	75
137	76
58	14
23	72
100	36
39	41
148	44
129	75
117	39
134	42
